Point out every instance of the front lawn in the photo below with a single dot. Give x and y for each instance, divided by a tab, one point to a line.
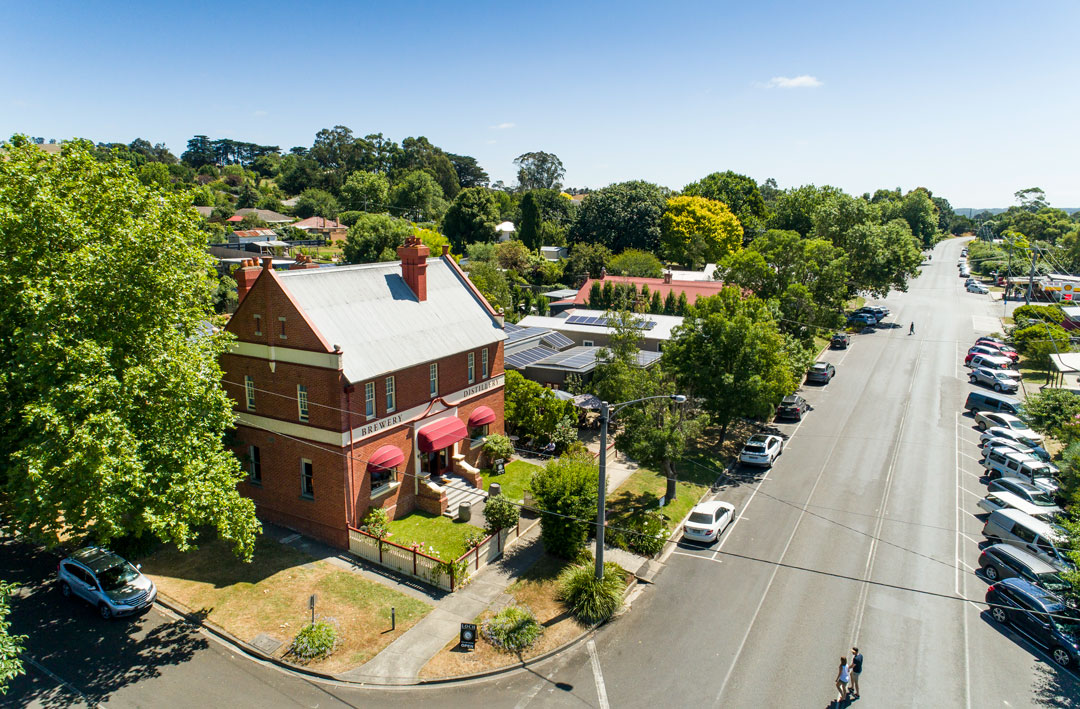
514	480
270	596
643	490
432	532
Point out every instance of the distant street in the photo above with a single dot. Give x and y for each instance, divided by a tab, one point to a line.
864	532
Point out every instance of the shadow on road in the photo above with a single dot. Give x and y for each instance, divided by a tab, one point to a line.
1054	686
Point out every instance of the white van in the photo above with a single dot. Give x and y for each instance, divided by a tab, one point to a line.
1033	535
1005	462
1005	500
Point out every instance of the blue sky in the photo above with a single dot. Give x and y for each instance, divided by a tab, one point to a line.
972	100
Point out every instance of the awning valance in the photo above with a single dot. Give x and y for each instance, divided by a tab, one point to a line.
481	416
444	432
386	458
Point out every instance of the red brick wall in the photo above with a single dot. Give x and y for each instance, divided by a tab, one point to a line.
267	299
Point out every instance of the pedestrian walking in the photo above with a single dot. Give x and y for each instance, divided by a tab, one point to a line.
911	330
843	676
856	670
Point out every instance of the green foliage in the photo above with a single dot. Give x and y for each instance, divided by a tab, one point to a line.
480	252
498	446
375	237
11	646
492	284
315	640
739	193
642	531
471	218
539	170
622	216
590	600
473	539
637	263
565	434
588	259
315	202
567	489
512	255
377	522
111	409
418	195
532	410
1031	314
513	629
365	192
1051	411
500	513
1040	340
697	230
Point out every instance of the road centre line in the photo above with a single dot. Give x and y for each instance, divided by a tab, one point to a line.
601	690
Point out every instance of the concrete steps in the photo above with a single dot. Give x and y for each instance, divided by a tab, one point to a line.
459	490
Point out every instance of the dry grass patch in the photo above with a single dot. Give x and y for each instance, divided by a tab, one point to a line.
536	588
270	595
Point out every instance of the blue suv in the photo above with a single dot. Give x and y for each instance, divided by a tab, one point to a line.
1040	615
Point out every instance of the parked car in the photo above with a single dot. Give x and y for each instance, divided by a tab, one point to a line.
997	342
997	379
840	341
761	449
989	361
878	311
708	520
793	406
1001	500
104	580
1023	490
1033	535
862	319
1002	432
984	401
980	350
1040	615
990	419
1012	444
977	288
965	272
821	373
1002	349
1004	561
1004	462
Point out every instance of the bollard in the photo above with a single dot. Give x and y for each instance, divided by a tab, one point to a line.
393	618
495	489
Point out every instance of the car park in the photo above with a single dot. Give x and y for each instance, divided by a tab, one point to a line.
1002	462
1012	444
106	581
1038	614
977	401
793	407
1000	348
1023	490
1000	380
1002	432
989	361
708	520
990	419
965	272
840	341
977	288
820	373
1033	535
1004	561
761	449
1001	500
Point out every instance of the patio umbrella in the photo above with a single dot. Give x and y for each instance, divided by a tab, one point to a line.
587	401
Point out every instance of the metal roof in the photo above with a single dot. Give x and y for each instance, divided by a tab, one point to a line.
660	331
583	359
556	340
381	327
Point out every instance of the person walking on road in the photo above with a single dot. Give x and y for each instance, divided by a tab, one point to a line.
856	669
843	676
911	330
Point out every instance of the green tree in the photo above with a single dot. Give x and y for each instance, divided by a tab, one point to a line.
729	353
11	646
375	237
491	283
539	170
588	259
1052	411
637	263
111	410
531	221
512	256
471	218
419	195
596	297
622	216
656	306
669	303
469	172
365	192
921	214
565	490
739	193
531	409
315	202
698	230
420	154
795	207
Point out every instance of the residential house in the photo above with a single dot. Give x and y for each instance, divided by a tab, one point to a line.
589	328
504	231
267	215
693	289
321	226
361	386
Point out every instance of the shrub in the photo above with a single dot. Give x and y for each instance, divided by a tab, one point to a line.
1051	410
1047	313
377	523
497	446
635	262
513	629
589	600
315	640
565	434
500	513
473	539
642	532
565	491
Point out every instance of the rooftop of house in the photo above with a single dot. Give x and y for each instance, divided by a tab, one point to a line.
318	223
694	289
267	215
592	321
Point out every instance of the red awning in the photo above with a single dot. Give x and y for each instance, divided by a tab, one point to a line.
386	457
444	432
481	416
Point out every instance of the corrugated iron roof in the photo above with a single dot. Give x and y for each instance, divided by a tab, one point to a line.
375	318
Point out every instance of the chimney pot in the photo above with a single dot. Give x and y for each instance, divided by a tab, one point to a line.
267	262
445	249
667	276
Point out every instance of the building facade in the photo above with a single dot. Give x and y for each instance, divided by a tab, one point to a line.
361	386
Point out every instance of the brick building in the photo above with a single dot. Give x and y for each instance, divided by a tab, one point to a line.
361	386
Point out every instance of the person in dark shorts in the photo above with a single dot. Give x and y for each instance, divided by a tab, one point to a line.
856	668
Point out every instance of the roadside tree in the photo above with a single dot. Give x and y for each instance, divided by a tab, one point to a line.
565	491
697	230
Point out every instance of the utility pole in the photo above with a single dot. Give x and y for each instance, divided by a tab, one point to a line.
1031	273
1008	281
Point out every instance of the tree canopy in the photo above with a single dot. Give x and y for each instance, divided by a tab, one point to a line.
739	193
697	230
539	171
472	217
622	216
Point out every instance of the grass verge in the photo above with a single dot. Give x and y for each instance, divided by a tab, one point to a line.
514	480
642	492
437	532
270	595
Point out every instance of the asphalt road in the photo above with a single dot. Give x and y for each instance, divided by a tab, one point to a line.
864	532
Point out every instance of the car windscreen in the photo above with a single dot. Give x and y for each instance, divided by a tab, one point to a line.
701	518
117	576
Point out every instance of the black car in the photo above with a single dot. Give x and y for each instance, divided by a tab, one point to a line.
792	407
1003	561
1040	615
840	341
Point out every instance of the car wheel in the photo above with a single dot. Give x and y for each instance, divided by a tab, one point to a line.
973	379
991	573
974	410
65	589
104	611
982	425
1061	656
999	615
997	387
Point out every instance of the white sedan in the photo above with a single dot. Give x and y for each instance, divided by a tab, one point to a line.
761	449
708	520
977	288
996	419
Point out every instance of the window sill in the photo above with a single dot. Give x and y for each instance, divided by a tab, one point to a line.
474	444
384	489
256	483
309	498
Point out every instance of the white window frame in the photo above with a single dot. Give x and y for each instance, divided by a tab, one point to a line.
249	392
307	481
433	380
302	402
586	343
282	336
258	324
391	395
254	465
484	364
472	368
369	399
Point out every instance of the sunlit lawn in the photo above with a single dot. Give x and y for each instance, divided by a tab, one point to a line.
514	480
445	535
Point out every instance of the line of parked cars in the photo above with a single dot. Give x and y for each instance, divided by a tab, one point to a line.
1024	558
868	315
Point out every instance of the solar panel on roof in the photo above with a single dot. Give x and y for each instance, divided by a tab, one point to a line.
556	340
520	360
511	327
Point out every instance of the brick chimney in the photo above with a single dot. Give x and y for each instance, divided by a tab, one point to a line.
667	276
302	261
245	277
413	257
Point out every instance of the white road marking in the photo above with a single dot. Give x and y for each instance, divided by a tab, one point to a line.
970	539
601	691
971	457
961	580
698	556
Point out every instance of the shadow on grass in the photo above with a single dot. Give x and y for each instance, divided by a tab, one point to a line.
214	563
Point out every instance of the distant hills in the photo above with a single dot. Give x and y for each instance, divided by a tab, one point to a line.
970	212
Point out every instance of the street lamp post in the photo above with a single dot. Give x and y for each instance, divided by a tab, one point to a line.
606	410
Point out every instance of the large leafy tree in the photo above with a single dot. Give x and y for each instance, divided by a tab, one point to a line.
365	192
471	218
698	230
637	263
10	645
919	211
532	410
316	202
794	208
469	172
418	195
586	260
539	171
729	353
741	195
112	416
622	216
420	154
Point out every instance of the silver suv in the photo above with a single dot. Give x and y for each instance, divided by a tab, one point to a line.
1000	380
105	581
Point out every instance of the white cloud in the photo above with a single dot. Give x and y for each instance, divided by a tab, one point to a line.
805	81
502	126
